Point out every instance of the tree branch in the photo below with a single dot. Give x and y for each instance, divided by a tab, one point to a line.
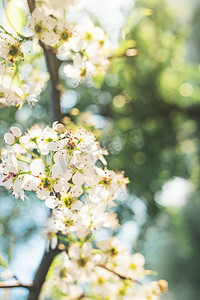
41	273
119	275
53	64
8	285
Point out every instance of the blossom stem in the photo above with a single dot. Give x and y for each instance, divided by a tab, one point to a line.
88	203
69	160
51	163
42	156
19	159
123	277
35	156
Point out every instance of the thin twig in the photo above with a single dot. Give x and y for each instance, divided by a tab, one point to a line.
119	275
8	285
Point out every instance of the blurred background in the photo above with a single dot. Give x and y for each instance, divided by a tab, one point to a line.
146	113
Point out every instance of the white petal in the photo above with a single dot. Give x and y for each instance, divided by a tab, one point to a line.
9	138
42	194
30	183
49	38
76	161
76	191
51	202
67	212
77	205
86	160
54	242
74	251
139	259
68	174
86	249
61	186
55	146
104	245
88	171
37	167
78	178
17	185
56	171
15	131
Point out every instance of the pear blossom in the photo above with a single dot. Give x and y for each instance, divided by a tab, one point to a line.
88	267
59	165
12	136
10	47
66	169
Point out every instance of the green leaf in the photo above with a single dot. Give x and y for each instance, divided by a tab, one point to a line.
13	12
3	263
11	248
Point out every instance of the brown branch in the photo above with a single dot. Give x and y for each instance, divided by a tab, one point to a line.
53	64
8	285
119	275
41	273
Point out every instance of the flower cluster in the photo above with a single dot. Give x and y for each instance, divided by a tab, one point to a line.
16	96
16	85
60	166
83	48
68	170
85	43
106	271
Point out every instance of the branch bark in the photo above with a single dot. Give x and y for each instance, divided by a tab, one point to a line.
53	64
8	285
119	275
41	273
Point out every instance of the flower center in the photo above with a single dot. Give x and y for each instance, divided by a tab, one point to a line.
14	50
88	36
38	28
65	35
82	262
82	72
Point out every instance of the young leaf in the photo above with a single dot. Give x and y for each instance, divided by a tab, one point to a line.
13	12
3	263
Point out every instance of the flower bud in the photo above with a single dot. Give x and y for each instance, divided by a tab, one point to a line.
163	285
58	127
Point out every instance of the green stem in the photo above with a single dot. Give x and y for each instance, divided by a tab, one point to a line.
35	156
69	160
51	163
16	74
42	156
88	203
19	159
21	173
